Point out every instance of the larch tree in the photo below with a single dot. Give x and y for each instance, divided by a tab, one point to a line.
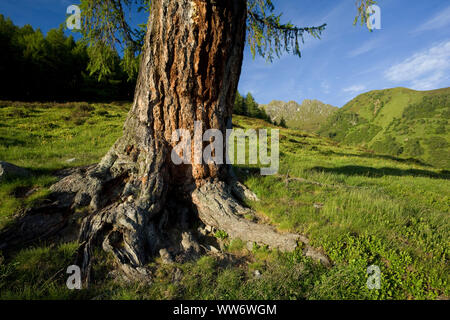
239	104
140	203
252	106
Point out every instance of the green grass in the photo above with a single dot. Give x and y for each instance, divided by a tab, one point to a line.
376	210
14	195
37	273
360	208
399	122
44	136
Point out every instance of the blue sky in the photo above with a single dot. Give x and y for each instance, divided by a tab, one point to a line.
412	49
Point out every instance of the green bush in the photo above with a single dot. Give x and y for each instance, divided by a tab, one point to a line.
413	148
388	145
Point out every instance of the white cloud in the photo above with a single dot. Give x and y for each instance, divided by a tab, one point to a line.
355	89
439	21
424	70
365	47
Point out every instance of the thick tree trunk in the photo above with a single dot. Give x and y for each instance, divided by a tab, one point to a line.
189	72
140	202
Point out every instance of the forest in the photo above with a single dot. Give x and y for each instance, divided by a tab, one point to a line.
54	67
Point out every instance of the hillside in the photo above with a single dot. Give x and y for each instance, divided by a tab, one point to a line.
399	122
308	116
321	191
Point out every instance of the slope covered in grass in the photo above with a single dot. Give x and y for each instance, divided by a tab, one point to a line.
359	208
44	137
400	122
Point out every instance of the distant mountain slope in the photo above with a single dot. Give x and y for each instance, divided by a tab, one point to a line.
308	116
399	121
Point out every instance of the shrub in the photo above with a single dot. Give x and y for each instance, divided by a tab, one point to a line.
413	148
388	146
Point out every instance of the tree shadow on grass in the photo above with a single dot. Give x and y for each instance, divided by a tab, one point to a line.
377	156
385	171
9	142
243	172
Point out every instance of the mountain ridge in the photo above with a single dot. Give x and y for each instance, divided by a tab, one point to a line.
307	116
397	121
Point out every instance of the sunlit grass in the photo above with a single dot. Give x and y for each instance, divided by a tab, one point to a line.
359	208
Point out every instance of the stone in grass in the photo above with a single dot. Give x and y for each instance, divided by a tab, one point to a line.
318	205
8	170
166	257
316	255
250	246
212	249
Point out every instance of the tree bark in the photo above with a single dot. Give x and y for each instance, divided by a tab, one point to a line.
189	72
140	202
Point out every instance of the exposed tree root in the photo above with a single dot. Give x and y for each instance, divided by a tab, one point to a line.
138	204
136	222
218	208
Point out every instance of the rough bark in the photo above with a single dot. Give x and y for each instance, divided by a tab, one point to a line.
189	72
140	203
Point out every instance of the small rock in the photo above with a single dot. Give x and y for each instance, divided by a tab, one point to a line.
202	231
177	275
143	271
316	255
165	256
71	160
209	229
318	205
257	274
212	249
189	243
9	170
249	246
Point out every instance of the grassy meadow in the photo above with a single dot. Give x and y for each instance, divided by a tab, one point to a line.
398	122
360	208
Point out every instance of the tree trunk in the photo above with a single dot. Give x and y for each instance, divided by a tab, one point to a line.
140	201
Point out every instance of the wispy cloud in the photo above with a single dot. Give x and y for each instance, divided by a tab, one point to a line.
355	88
365	47
438	21
424	70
